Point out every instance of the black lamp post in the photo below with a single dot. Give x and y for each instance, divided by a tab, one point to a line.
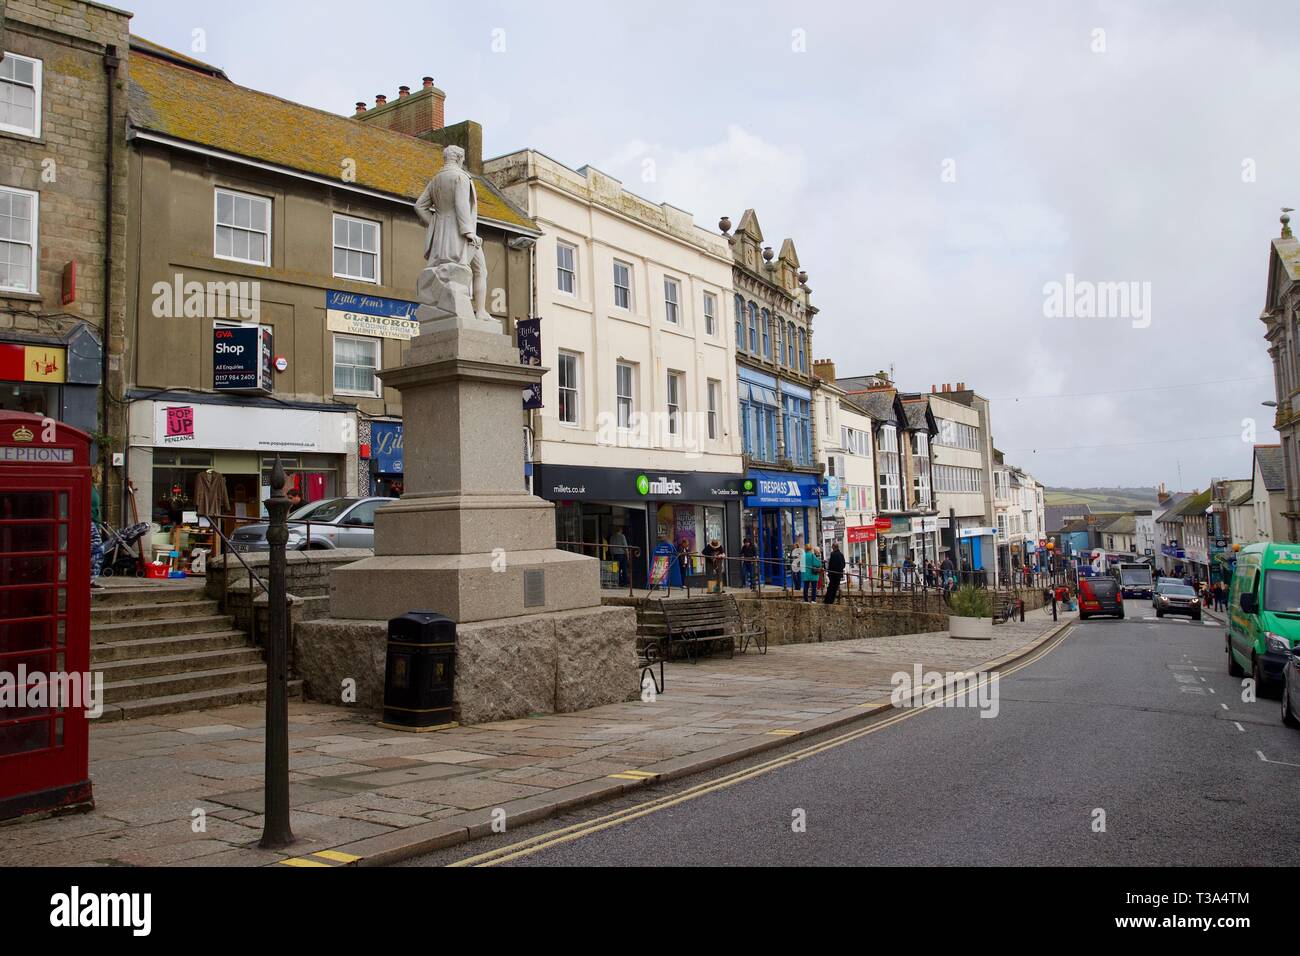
276	832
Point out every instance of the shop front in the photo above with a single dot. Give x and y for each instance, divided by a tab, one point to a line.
384	454
649	509
977	552
204	454
781	513
894	542
861	541
56	379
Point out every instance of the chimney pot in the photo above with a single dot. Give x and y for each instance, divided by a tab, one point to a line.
403	91
428	82
380	99
361	107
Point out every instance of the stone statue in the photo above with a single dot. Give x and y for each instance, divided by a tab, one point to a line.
453	283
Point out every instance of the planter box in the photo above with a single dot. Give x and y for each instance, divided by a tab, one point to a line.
970	628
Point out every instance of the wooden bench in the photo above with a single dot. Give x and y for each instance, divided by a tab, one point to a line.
708	622
1005	607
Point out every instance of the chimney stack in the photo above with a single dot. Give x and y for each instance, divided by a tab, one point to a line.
414	114
824	369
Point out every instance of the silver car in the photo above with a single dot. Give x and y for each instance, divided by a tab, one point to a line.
322	525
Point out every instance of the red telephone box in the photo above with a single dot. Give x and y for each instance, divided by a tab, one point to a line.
44	615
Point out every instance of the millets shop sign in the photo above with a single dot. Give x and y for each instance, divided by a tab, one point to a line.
615	484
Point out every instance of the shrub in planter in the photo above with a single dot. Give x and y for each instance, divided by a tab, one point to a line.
970	614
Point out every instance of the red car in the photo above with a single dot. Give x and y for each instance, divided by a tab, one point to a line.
1100	595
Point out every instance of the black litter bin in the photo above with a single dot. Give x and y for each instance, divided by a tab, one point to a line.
420	674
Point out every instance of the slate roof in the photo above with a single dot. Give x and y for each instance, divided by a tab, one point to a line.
877	403
1055	515
1124	524
1271	467
915	410
1288	253
1239	490
187	102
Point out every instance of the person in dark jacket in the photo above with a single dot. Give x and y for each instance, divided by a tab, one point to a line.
835	571
749	554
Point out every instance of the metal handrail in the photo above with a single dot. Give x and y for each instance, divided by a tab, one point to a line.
252	576
629	549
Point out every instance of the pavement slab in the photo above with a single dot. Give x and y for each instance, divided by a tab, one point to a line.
382	796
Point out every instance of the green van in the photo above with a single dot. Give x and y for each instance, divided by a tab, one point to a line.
1264	612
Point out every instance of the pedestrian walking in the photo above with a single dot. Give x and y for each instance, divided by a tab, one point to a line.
835	569
96	539
715	561
749	564
618	551
812	566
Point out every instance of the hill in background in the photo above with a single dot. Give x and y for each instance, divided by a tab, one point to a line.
1103	499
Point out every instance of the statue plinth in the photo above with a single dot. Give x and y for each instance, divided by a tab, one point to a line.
445	294
466	539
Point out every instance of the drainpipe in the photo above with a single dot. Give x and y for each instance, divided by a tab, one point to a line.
111	63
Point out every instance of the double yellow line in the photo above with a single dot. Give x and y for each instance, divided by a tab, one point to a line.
577	831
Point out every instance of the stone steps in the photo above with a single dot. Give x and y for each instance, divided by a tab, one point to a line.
166	646
138	594
170	627
179	666
170	685
163	610
194	700
165	649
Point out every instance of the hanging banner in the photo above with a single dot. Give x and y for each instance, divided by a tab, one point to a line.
528	333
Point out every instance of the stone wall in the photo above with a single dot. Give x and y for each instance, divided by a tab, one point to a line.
793	622
539	664
308	582
790	621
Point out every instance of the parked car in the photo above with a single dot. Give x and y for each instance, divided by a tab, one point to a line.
334	523
1100	594
1177	599
1291	689
1264	613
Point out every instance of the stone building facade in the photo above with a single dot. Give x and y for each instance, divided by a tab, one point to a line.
772	315
637	431
1281	318
63	202
290	232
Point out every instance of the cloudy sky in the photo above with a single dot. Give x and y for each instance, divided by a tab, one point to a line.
937	165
